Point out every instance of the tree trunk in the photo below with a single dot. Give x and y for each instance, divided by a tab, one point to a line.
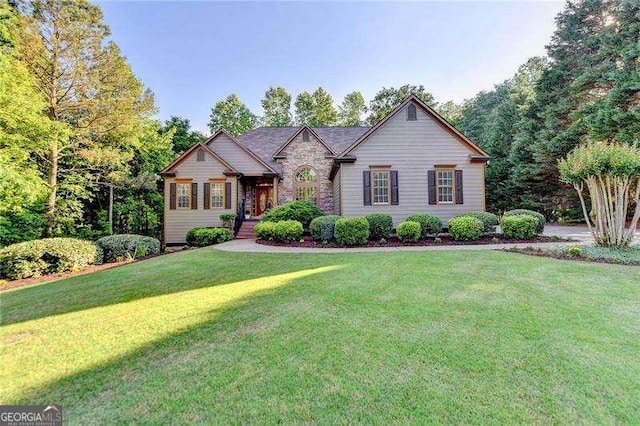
53	191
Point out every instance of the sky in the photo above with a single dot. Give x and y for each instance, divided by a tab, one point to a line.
193	54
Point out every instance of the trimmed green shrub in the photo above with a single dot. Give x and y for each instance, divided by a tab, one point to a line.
489	220
47	256
227	219
322	228
207	236
265	231
302	211
540	217
380	225
288	231
352	232
409	232
123	246
428	224
520	227
465	228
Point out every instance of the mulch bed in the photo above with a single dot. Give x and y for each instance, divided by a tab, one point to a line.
447	240
532	251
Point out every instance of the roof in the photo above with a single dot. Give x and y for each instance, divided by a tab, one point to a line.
266	141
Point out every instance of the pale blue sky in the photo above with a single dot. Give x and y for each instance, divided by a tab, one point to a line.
192	54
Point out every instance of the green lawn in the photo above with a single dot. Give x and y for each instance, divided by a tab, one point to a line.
205	336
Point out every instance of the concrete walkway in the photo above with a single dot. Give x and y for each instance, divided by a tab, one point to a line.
580	234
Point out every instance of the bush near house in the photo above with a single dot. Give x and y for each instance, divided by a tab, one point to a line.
207	236
428	224
227	220
409	232
352	232
520	227
121	246
322	228
265	231
47	256
288	231
302	211
540	217
489	220
380	226
465	228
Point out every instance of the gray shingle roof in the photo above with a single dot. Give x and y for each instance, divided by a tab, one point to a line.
265	141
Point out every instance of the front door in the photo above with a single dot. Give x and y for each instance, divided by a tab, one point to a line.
262	200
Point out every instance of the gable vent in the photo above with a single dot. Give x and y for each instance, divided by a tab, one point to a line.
305	135
200	155
411	113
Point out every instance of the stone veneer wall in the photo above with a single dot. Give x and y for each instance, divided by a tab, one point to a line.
311	153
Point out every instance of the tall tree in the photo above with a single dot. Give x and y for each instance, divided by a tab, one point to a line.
182	136
388	98
89	89
452	112
232	115
304	108
325	113
277	107
352	110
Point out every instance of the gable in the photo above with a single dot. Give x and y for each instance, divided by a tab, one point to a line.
197	159
236	155
299	137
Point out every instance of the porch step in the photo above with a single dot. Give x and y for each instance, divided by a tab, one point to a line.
246	230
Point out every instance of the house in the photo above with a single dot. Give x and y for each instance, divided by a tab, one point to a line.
413	161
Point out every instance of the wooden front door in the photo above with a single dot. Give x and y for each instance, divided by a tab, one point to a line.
263	197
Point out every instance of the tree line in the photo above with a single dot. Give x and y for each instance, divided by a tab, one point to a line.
75	120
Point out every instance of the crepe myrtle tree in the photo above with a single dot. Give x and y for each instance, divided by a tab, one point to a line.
611	173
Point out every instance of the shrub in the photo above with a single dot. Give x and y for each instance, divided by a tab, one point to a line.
227	219
409	232
206	236
302	211
47	256
428	224
465	228
520	227
574	250
380	225
265	231
322	228
538	216
489	220
127	246
352	232
288	231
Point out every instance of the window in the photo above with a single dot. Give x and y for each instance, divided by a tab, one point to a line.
445	185
305	184
217	194
380	186
184	195
411	113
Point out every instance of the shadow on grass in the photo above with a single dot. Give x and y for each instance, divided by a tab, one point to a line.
178	272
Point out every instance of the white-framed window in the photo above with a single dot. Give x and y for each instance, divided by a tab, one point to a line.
217	194
183	195
305	183
445	185
380	184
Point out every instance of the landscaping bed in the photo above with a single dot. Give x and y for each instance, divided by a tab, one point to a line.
619	256
445	240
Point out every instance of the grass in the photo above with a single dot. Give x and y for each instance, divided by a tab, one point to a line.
205	336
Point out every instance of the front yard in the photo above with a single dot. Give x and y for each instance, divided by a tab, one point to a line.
208	336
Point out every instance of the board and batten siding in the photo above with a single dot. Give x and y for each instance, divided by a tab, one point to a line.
177	222
336	194
235	155
412	148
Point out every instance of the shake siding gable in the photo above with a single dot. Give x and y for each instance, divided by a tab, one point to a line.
412	148
179	221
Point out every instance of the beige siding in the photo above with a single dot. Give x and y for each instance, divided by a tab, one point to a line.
412	148
178	222
336	194
236	156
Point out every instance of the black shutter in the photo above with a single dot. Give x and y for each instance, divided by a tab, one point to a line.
394	188
366	187
207	196
194	196
431	185
172	196
459	187
227	195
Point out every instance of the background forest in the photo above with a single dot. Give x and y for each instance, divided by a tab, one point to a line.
76	123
